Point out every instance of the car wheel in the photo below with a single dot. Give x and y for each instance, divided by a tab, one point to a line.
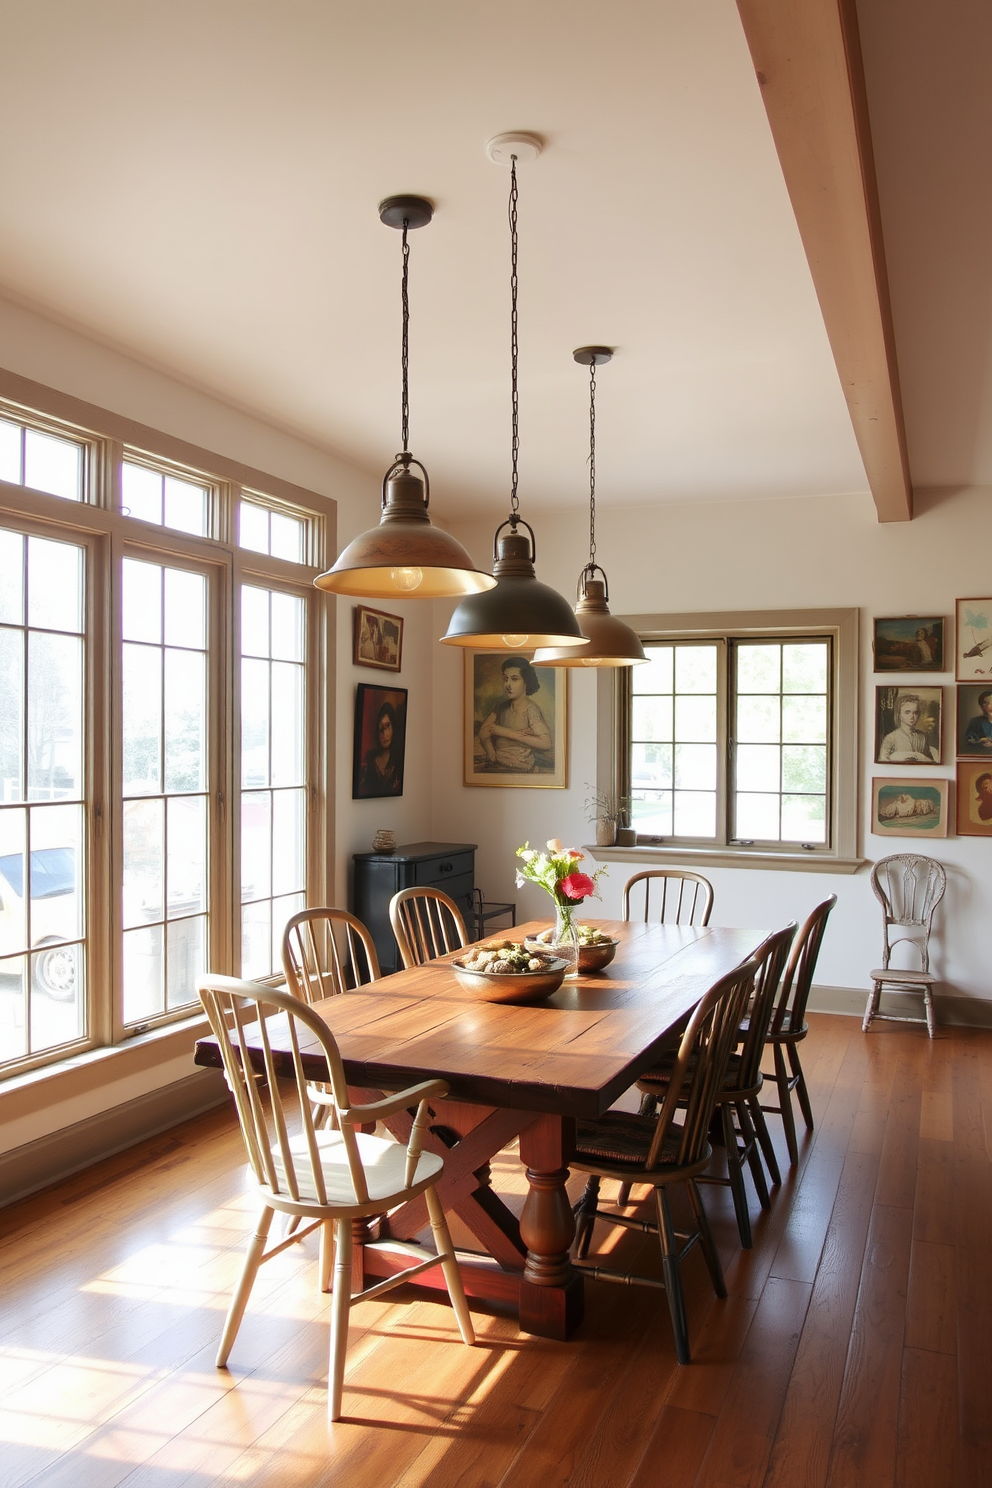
55	972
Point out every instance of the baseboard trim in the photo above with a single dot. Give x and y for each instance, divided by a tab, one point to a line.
950	1008
25	1170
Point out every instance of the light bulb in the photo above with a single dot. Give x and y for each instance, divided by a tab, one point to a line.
515	640
407	578
589	661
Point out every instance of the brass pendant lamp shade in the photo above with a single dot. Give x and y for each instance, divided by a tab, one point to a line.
520	612
405	556
611	642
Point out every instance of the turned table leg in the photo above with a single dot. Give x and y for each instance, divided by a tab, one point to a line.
551	1298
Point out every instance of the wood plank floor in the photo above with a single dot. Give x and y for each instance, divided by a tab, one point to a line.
855	1346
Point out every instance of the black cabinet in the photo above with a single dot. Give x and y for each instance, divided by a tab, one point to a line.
378	876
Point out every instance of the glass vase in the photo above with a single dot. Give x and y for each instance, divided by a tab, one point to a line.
565	940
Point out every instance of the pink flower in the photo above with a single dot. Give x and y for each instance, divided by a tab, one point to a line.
575	887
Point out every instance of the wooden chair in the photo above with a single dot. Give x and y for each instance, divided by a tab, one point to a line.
660	1151
427	924
329	1176
312	958
738	1097
909	887
680	897
788	1027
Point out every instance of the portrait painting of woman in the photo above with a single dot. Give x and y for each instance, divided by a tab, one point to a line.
380	742
514	721
907	726
974	795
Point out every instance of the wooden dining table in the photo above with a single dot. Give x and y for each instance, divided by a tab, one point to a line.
515	1072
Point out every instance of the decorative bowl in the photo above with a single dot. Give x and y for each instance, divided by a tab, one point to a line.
511	986
591	957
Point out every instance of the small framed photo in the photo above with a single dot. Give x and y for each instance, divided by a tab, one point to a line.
974	733
909	808
514	721
380	742
907	725
378	639
974	796
910	643
973	642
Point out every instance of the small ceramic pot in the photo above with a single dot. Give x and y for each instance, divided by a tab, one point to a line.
384	841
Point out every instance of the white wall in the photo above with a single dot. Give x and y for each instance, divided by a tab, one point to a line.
805	553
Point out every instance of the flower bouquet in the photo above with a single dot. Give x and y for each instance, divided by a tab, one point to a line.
555	871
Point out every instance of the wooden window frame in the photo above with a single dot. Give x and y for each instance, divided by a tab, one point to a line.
840	855
98	523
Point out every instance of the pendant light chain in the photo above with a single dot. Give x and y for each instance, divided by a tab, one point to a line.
592	463
405	356
514	348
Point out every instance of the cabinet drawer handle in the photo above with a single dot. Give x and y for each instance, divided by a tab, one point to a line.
446	867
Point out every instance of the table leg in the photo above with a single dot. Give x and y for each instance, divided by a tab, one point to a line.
551	1296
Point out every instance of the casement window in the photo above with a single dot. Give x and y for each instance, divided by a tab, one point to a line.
163	706
736	743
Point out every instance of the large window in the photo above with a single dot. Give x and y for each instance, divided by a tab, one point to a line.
738	740
161	713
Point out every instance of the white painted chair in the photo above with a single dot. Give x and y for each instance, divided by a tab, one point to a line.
909	887
329	1176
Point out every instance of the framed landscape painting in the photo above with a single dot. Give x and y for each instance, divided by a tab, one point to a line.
974	794
973	641
514	721
909	643
907	725
909	808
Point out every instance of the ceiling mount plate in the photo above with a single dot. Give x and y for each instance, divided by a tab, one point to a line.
592	356
526	147
413	211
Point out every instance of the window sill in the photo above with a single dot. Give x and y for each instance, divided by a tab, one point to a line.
722	857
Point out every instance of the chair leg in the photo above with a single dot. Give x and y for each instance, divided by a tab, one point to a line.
326	1254
673	1279
800	1081
736	1176
764	1139
753	1154
452	1275
706	1238
928	1009
242	1291
585	1216
340	1309
623	1195
785	1105
871	1007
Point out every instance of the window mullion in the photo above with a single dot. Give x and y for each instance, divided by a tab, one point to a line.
725	744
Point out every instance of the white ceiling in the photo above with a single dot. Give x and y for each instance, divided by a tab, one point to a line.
196	182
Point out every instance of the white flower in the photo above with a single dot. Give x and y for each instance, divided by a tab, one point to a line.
554	845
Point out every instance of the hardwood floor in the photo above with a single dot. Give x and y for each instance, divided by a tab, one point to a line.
855	1346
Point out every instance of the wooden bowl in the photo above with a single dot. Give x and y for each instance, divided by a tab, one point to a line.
591	957
511	986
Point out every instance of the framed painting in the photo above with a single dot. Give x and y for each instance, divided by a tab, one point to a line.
909	643
974	731
973	640
380	742
907	725
378	639
974	797
515	731
909	808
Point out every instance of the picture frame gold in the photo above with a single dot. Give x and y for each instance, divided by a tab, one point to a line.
512	708
973	640
974	798
909	807
377	640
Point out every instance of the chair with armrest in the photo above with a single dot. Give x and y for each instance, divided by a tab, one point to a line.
427	924
661	1151
788	1026
329	1176
909	887
738	1096
325	951
672	896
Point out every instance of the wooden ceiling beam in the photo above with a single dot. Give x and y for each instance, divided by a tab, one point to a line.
807	56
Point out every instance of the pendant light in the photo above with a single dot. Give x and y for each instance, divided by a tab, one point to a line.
611	642
405	556
519	612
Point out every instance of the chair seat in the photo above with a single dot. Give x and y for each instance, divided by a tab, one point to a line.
623	1139
909	978
657	1080
384	1162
